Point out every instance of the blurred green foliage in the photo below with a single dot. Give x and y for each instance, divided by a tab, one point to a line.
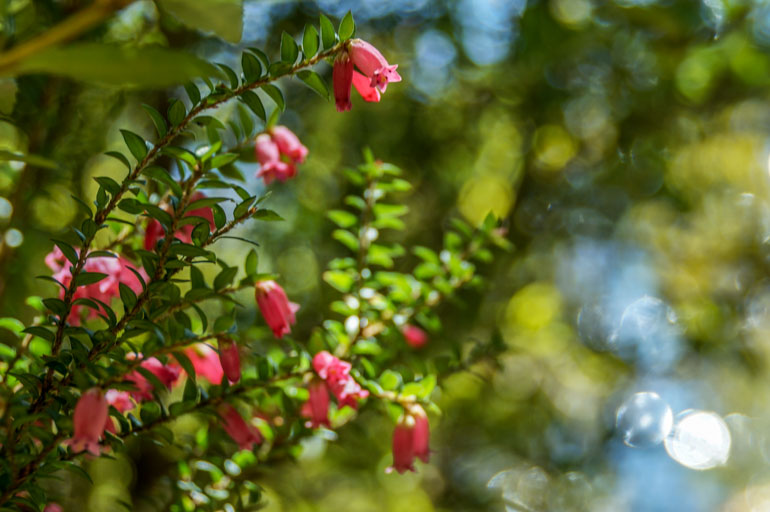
625	142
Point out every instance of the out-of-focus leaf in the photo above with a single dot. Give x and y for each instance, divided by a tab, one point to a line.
222	17
115	65
35	160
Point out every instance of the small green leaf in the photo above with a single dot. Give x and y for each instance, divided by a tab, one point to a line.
346	238
222	17
176	112
390	380
328	36
310	41
108	184
347	27
275	94
342	218
340	280
185	363
252	69
254	103
193	93
225	277
120	157
135	144
252	262
268	215
69	252
315	82
231	76
86	278
157	119
289	50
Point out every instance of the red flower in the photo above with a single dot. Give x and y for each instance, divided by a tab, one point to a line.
244	434
89	421
411	439
342	78
205	361
414	336
155	232
53	507
230	359
116	270
336	373
278	153
371	63
120	400
166	374
316	409
275	307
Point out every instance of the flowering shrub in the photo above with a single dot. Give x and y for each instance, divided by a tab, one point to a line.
132	349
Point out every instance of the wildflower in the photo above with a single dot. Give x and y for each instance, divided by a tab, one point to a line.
411	439
342	78
414	336
370	79
120	400
89	421
244	434
336	374
278	152
371	63
154	230
275	307
421	435
166	374
205	361
230	359
316	409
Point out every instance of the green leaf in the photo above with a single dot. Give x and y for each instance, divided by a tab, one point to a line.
86	278
135	143
315	82
268	215
328	36
225	277
347	27
222	17
148	66
251	265
289	50
159	173
16	326
190	393
231	76
128	296
254	103
252	69
310	41
40	332
109	184
342	218
69	252
223	159
176	112
157	119
37	161
180	153
339	280
193	93
120	157
185	363
390	380
275	94
346	238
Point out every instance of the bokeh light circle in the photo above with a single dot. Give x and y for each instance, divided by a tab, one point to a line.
645	419
700	440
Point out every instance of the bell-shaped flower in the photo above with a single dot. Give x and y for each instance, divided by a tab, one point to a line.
288	144
316	409
230	359
414	336
166	374
373	64
278	152
205	361
244	434
275	307
342	79
403	445
421	435
89	421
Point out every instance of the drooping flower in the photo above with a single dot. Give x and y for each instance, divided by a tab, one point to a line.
154	230
244	434
89	421
414	336
421	435
275	307
278	152
373	64
403	445
120	400
230	359
117	270
342	78
166	374
370	79
316	409
336	374
205	361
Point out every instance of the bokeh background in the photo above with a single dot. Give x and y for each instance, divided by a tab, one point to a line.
625	143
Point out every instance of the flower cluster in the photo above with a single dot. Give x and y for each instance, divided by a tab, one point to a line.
333	377
411	439
117	270
278	153
154	230
370	79
244	434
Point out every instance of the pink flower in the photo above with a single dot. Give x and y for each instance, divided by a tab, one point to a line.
244	434
155	232
166	374
403	445
116	269
278	153
371	63
316	409
342	78
414	336
275	307
53	507
364	88
89	421
230	359
289	144
205	361
120	400
336	374
421	436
